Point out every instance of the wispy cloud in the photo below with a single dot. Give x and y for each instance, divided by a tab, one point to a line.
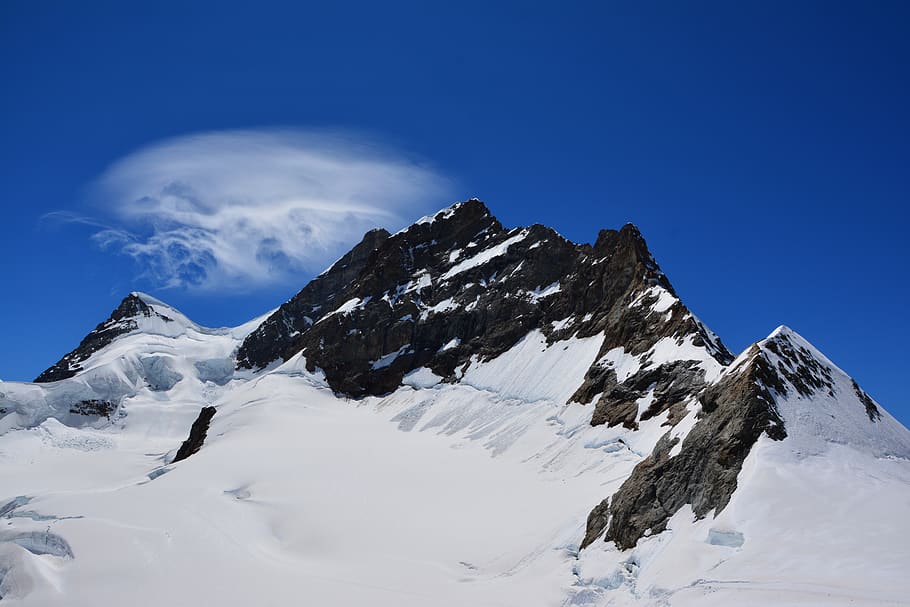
242	209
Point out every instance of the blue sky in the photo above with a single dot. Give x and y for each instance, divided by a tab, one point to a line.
761	147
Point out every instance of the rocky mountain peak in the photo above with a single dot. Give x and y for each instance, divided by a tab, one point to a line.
455	224
122	320
457	286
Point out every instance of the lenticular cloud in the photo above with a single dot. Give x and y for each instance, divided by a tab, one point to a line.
216	211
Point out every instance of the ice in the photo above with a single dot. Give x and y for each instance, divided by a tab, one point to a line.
730	539
216	370
39	542
13	504
158	472
159	373
241	493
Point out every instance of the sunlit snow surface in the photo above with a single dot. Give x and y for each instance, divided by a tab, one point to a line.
440	494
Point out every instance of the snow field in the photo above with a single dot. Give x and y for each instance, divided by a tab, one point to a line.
473	493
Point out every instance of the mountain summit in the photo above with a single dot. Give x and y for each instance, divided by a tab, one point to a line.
635	459
458	286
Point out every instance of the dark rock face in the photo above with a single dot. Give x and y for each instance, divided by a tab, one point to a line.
871	409
597	522
464	282
735	412
101	408
673	384
197	434
797	366
275	337
121	321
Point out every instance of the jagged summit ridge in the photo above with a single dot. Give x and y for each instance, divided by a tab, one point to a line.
456	286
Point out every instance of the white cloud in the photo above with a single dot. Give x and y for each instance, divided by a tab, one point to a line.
235	210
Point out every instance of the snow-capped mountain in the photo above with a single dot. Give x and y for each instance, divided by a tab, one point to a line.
456	414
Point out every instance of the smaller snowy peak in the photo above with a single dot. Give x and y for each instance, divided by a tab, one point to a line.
124	319
799	365
176	323
781	388
145	346
137	313
164	311
820	404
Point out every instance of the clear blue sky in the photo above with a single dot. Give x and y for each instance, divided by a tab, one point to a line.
761	147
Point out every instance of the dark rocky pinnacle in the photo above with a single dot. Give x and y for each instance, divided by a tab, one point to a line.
197	434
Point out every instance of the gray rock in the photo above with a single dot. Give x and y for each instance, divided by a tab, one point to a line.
412	297
735	412
197	435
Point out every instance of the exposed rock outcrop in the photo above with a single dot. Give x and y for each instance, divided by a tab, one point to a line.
101	408
734	413
871	408
458	288
597	522
197	434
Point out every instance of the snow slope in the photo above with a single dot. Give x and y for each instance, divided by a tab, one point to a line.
467	493
300	493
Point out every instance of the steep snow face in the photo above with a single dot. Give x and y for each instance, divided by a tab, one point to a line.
532	370
821	405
